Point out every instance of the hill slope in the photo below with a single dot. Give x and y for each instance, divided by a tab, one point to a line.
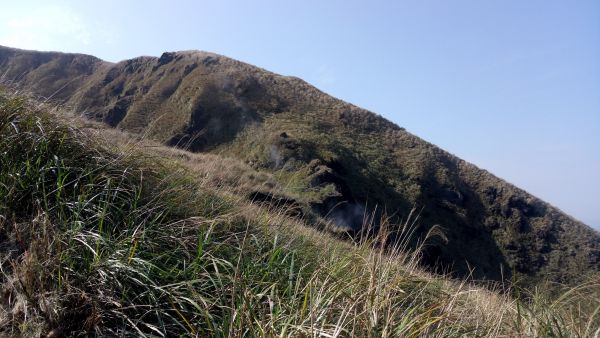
102	237
335	160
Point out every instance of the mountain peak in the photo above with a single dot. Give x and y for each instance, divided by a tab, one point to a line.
339	162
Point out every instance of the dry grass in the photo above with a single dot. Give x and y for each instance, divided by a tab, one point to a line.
115	238
209	102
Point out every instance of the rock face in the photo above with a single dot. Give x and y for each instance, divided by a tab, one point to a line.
341	160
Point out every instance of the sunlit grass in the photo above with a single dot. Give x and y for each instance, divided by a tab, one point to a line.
112	240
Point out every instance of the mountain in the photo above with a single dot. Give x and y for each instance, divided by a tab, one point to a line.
336	162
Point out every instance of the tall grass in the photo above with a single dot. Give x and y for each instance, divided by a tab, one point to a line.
100	241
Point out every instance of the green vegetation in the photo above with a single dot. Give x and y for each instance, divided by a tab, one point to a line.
332	161
108	239
293	145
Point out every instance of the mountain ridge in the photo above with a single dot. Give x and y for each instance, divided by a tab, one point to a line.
338	159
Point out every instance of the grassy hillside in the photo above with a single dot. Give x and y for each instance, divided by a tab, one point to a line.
333	162
110	238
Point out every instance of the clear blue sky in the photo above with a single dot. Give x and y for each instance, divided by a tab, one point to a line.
512	86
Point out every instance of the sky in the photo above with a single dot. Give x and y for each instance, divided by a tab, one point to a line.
512	86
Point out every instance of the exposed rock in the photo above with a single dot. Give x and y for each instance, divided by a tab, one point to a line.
166	58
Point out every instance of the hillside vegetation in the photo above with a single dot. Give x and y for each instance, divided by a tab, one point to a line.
334	164
111	239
